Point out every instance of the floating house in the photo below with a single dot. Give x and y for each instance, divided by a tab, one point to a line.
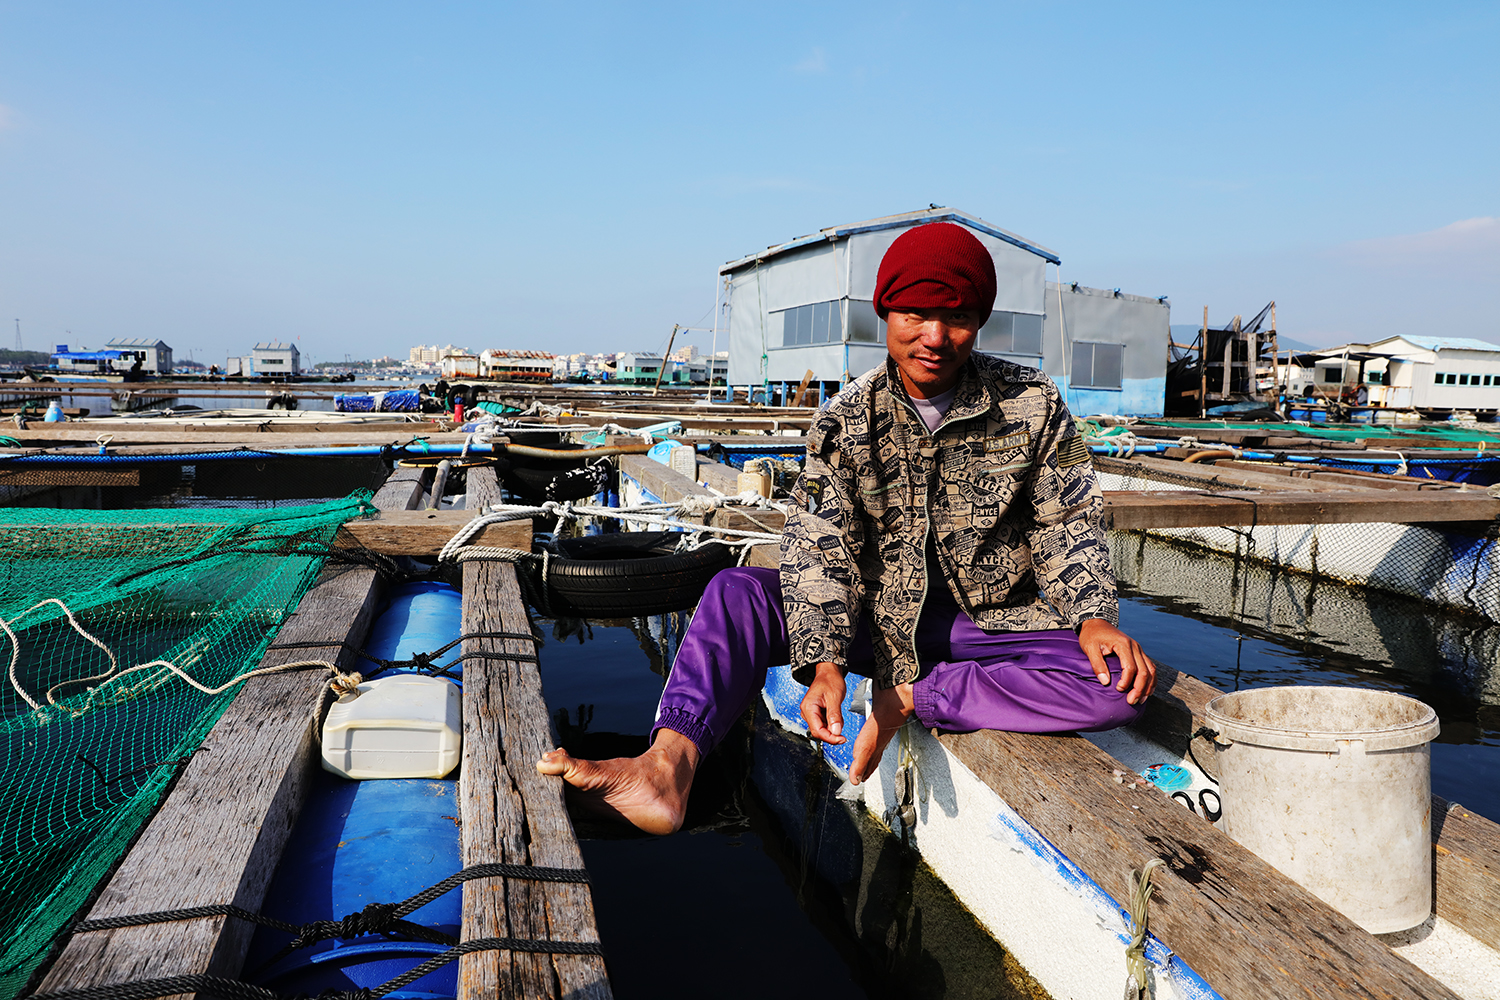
93	362
807	305
1438	375
518	366
639	368
155	355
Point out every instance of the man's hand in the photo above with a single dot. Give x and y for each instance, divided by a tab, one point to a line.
1098	638
889	710
821	705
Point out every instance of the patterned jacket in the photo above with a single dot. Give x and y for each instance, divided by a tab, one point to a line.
1005	486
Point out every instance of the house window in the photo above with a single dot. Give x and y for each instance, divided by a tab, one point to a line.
815	323
1374	378
1487	379
1097	366
1438	378
1333	375
1452	378
1463	379
1012	333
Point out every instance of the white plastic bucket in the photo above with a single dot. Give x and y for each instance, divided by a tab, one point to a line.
1333	786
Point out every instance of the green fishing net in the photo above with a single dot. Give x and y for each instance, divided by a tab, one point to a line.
90	744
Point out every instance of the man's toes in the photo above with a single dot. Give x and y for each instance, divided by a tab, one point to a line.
555	762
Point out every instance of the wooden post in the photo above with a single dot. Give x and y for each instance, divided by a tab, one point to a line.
796	399
1203	367
512	814
663	369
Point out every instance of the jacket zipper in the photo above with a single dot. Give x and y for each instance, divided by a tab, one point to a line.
927	520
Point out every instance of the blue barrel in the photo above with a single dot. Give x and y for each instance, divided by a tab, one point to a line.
356	843
1299	413
421	618
1319	416
362	842
1361	415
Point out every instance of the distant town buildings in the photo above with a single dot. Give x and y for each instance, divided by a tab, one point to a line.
432	357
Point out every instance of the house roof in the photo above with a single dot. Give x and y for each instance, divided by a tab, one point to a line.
136	342
901	221
1446	343
274	345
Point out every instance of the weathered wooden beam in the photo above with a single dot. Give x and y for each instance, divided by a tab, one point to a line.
721	477
1144	466
56	476
1248	930
511	814
219	835
1188	509
402	490
222	438
425	532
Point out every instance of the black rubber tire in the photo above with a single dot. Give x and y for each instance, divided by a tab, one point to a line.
529	478
631	573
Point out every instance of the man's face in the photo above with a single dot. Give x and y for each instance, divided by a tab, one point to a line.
930	346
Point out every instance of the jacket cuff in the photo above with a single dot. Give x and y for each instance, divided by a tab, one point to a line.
831	652
1109	612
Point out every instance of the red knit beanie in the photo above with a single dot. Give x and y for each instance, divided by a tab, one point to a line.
937	266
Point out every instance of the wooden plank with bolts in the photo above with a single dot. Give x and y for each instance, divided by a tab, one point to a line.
1189	509
1466	846
55	476
219	835
425	532
511	813
1285	941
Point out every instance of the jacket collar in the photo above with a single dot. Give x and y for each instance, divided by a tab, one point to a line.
972	399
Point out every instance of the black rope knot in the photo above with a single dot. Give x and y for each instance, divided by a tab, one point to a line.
376	918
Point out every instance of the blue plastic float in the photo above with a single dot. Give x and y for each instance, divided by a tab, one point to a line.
362	842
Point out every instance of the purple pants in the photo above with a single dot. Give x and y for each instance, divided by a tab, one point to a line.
1021	682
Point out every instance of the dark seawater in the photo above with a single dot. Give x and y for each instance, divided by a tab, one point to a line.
774	885
1239	625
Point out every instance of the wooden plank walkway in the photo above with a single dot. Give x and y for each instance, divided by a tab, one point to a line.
512	814
219	835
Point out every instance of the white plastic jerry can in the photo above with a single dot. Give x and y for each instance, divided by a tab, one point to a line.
402	726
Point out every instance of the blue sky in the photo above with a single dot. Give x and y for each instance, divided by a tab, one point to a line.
366	176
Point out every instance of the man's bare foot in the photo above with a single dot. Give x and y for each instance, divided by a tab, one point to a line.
649	791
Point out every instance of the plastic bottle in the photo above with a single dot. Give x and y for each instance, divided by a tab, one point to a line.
55	414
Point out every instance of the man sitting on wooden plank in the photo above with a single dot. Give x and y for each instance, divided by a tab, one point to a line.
943	493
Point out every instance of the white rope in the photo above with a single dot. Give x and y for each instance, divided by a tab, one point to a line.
342	683
1139	909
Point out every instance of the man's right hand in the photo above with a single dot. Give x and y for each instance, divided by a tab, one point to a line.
821	705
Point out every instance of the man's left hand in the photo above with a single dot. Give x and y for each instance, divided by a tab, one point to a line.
1098	638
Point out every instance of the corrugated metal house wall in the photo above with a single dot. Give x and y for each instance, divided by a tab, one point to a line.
1108	351
810	307
839	277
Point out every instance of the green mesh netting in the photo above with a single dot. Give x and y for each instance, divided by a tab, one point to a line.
87	758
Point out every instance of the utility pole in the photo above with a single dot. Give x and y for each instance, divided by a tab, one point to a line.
664	361
18	335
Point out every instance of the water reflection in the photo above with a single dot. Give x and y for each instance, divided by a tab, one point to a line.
1237	624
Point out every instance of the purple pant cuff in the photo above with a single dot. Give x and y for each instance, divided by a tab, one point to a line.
688	725
924	698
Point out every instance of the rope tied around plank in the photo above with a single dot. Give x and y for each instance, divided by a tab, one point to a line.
1136	983
234	989
376	918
